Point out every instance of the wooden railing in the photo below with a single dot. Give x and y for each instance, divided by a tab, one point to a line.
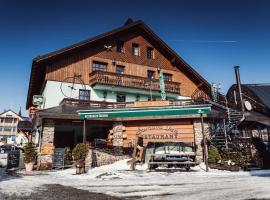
130	81
104	104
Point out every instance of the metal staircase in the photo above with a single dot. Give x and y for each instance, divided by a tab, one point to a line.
221	138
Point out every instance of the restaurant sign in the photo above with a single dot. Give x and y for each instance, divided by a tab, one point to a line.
169	132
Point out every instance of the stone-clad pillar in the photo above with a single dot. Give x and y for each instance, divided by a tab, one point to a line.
199	138
47	145
118	140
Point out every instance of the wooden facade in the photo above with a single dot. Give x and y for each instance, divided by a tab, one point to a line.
156	131
79	58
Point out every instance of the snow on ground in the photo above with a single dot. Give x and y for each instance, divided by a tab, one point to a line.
118	180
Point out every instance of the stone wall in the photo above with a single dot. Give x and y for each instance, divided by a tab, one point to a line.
199	138
116	136
98	157
45	160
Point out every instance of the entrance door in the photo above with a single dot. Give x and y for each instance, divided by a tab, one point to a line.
64	139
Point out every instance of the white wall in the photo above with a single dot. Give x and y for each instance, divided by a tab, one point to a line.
53	95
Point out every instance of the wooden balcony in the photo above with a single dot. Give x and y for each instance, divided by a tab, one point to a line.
129	81
113	105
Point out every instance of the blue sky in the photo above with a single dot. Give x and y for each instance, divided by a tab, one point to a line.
212	36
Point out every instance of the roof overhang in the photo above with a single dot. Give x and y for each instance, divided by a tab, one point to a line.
149	112
257	117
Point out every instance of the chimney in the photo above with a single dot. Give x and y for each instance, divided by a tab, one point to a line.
238	82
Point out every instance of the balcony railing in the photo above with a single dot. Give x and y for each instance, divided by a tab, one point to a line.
112	105
129	81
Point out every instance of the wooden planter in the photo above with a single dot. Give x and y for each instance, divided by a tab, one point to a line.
29	166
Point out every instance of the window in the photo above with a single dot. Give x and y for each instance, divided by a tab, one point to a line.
8	120
99	66
120	98
150	53
120	69
150	74
151	98
135	49
84	94
120	46
7	129
167	77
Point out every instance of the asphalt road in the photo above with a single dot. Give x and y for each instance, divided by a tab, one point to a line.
60	192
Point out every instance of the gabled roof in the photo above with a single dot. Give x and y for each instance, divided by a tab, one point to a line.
16	114
262	91
130	24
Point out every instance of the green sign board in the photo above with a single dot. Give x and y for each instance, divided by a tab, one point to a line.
38	100
144	112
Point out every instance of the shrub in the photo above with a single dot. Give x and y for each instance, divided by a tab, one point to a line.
30	153
68	156
235	156
80	152
213	155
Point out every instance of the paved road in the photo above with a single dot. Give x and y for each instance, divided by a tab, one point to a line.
143	185
59	192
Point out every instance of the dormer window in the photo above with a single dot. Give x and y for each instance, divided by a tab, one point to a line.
135	49
150	53
120	46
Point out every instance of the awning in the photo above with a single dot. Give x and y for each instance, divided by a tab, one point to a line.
144	112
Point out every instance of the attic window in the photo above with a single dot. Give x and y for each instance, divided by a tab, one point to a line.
167	77
135	49
150	53
120	46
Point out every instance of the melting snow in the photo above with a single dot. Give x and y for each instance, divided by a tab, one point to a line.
117	179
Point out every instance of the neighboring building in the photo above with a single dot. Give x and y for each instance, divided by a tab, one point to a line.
256	101
113	83
253	105
8	126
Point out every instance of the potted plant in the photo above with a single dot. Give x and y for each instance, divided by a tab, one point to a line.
79	154
30	156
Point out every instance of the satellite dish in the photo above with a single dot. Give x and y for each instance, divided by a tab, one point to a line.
248	105
70	86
